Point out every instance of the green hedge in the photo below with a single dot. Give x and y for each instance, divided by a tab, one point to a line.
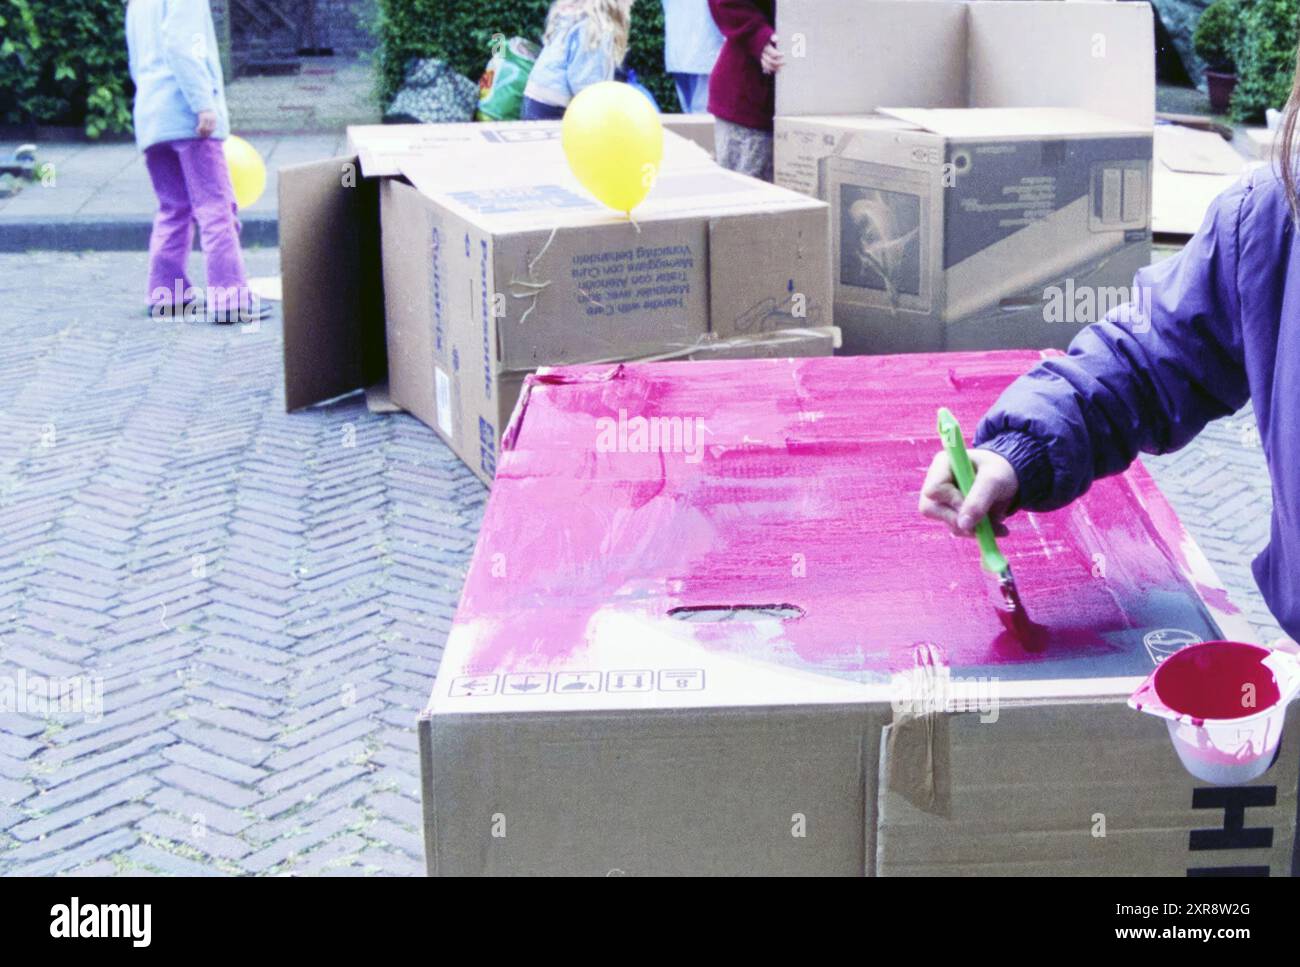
1266	60
63	62
460	32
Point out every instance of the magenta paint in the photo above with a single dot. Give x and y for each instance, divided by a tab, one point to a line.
1217	680
804	492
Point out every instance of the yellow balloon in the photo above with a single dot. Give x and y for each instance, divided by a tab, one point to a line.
614	141
247	170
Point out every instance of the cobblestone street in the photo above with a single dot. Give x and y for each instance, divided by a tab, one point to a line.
263	595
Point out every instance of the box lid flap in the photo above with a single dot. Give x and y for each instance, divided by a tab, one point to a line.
331	281
1014	122
852	56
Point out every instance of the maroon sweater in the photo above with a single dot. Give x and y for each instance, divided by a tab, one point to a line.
739	91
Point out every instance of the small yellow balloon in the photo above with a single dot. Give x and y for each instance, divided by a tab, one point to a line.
247	170
614	141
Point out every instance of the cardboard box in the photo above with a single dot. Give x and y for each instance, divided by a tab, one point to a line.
973	228
697	127
705	631
495	261
986	162
857	56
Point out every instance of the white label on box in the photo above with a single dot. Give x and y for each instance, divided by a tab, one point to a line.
442	386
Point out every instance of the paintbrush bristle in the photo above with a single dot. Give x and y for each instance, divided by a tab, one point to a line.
1013	615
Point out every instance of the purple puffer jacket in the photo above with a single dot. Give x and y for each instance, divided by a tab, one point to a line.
1211	327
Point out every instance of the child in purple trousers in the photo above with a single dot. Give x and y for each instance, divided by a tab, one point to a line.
180	124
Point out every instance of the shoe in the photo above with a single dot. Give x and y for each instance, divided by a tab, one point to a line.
257	311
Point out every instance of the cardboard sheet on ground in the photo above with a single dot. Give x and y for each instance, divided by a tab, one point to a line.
1191	169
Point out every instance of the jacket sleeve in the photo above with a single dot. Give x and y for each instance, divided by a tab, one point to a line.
743	22
588	65
1147	379
185	38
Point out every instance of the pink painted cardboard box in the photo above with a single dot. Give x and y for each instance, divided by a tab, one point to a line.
705	631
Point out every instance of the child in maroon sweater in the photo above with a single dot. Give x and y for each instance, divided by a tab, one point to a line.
742	89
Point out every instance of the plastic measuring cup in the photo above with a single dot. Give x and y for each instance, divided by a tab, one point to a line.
1224	703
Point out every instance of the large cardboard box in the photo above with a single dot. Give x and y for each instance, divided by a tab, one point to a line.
494	261
988	164
974	228
705	631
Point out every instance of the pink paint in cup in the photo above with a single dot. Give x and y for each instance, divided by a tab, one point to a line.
1224	703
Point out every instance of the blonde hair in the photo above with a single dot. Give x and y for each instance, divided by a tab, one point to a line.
602	18
1288	141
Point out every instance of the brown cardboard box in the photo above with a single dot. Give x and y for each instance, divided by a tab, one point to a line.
580	725
494	262
974	228
988	163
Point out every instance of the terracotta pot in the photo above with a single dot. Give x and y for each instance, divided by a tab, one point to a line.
1221	86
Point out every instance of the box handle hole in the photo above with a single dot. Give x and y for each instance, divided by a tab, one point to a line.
749	613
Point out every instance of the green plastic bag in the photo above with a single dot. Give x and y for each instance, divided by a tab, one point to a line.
501	88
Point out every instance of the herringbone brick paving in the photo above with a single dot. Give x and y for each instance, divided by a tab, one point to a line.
264	596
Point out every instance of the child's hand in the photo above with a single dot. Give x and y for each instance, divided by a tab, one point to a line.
207	124
994	489
772	60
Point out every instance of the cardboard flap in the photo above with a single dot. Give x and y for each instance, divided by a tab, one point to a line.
1097	56
854	56
333	293
1013	122
383	148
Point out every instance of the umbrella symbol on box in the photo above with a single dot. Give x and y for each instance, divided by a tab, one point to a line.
527	683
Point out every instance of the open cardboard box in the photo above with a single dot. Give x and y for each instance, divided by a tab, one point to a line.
741	651
996	163
857	56
453	260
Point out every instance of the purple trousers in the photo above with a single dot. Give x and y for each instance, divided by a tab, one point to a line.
193	186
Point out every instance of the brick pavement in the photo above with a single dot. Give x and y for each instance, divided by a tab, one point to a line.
263	596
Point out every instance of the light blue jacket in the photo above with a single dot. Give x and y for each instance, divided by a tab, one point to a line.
691	38
176	66
568	63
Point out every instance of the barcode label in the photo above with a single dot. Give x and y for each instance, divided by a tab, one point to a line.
442	386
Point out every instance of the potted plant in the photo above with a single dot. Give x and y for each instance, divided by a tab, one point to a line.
1216	42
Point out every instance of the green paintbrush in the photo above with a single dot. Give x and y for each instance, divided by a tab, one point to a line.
1012	612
